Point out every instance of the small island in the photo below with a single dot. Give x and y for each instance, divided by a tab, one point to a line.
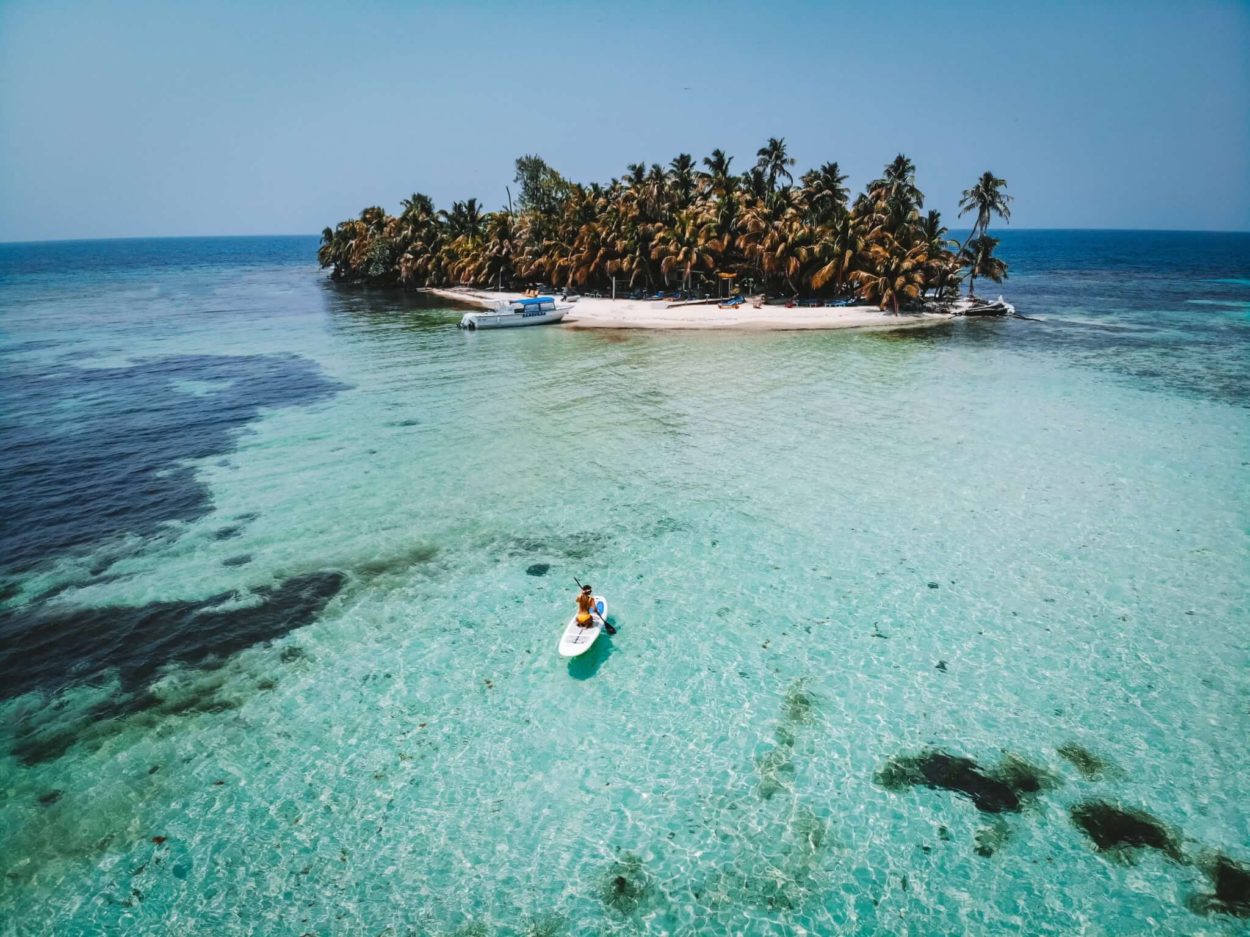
691	247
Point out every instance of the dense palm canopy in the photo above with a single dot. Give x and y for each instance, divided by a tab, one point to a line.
659	226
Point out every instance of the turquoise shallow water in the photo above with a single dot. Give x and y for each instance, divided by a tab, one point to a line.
823	552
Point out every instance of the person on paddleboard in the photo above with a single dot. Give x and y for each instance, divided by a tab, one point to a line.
585	603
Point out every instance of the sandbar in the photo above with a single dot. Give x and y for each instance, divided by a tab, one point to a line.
593	313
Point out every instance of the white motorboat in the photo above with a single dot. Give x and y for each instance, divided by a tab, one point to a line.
536	310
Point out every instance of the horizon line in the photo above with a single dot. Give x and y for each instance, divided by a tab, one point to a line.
201	237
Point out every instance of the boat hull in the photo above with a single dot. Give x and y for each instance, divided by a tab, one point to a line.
510	320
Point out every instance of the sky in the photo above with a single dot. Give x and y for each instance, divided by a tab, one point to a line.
133	118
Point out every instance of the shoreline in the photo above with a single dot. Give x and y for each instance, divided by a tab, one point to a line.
591	313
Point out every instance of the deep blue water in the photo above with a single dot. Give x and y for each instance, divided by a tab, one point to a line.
1170	309
59	261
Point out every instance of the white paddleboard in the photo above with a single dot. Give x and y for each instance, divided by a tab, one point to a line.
576	639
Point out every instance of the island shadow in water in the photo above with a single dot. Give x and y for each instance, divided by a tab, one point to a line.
386	308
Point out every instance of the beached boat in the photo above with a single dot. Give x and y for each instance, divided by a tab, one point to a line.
536	310
981	307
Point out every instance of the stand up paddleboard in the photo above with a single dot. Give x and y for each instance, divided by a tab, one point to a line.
576	639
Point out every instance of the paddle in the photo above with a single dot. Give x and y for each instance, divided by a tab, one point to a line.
606	627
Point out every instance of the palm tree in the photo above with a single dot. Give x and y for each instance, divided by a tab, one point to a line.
465	218
773	160
684	245
326	252
417	206
367	246
825	193
464	227
754	183
495	263
718	179
987	198
418	235
774	238
943	263
899	182
978	256
681	177
891	275
836	248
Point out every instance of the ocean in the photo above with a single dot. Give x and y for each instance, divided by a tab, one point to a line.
935	632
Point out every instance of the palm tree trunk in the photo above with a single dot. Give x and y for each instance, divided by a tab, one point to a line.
978	224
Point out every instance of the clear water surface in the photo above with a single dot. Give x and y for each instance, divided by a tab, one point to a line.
284	566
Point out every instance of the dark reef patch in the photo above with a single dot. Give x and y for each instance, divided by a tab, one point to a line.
776	771
398	562
666	525
241	560
775	766
1005	789
39	742
90	454
799	705
989	839
625	885
51	649
50	797
1117	830
537	569
580	546
1025	779
228	533
784	865
1091	766
551	925
1231	884
575	546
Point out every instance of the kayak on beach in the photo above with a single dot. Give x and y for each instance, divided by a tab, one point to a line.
577	639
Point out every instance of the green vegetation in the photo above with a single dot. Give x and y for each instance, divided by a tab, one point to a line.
697	229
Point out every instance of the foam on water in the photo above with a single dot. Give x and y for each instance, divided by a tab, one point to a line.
825	554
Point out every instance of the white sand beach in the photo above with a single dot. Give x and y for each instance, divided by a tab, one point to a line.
648	314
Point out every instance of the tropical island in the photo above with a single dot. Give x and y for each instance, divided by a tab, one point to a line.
716	244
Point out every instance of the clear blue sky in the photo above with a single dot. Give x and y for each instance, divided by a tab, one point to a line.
177	118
